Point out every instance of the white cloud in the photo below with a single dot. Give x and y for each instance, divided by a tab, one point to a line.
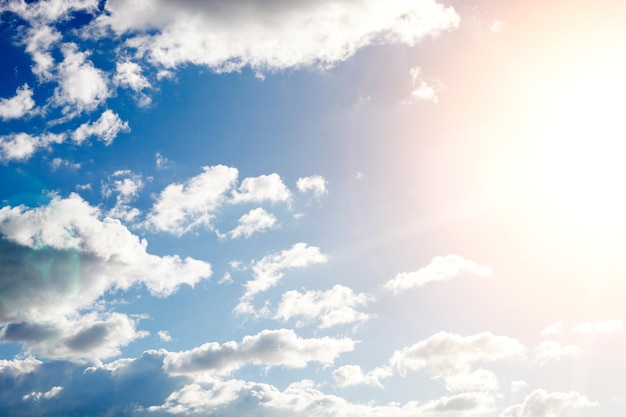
269	270
126	185
517	386
39	40
332	307
128	74
262	188
53	392
82	87
270	35
267	348
164	335
88	253
544	404
497	26
256	220
180	208
89	337
440	268
106	128
49	10
161	161
315	184
422	89
549	351
349	375
21	146
57	163
601	326
18	367
18	105
554	329
212	396
450	357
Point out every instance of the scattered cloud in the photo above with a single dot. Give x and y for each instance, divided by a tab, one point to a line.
349	375
57	163
554	329
518	385
270	269
164	335
440	268
549	351
106	128
21	146
449	357
262	188
53	392
332	307
17	106
422	89
497	26
126	185
256	220
542	403
601	326
315	184
180	208
267	348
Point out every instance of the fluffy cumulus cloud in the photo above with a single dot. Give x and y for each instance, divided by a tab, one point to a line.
81	86
18	105
105	129
315	184
332	307
256	220
126	185
348	375
553	351
423	89
21	146
270	269
601	326
542	403
180	208
268	348
262	188
554	329
441	268
268	35
59	258
450	357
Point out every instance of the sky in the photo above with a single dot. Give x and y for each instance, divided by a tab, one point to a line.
271	208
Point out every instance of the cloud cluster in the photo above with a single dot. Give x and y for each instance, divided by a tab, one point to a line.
60	258
542	403
450	357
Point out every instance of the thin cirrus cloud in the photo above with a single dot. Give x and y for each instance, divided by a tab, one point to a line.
441	268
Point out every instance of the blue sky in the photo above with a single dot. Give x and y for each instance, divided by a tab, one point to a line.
315	208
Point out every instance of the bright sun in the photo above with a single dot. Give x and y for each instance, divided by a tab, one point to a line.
579	148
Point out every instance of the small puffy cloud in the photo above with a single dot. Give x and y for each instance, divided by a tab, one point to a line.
180	208
517	386
18	367
332	307
256	220
441	268
161	161
36	396
423	90
315	184
106	128
164	335
497	26
82	87
57	163
554	329
39	40
126	185
267	348
49	11
226	36
450	357
601	326
262	188
21	146
349	375
544	404
18	105
553	351
270	269
128	74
